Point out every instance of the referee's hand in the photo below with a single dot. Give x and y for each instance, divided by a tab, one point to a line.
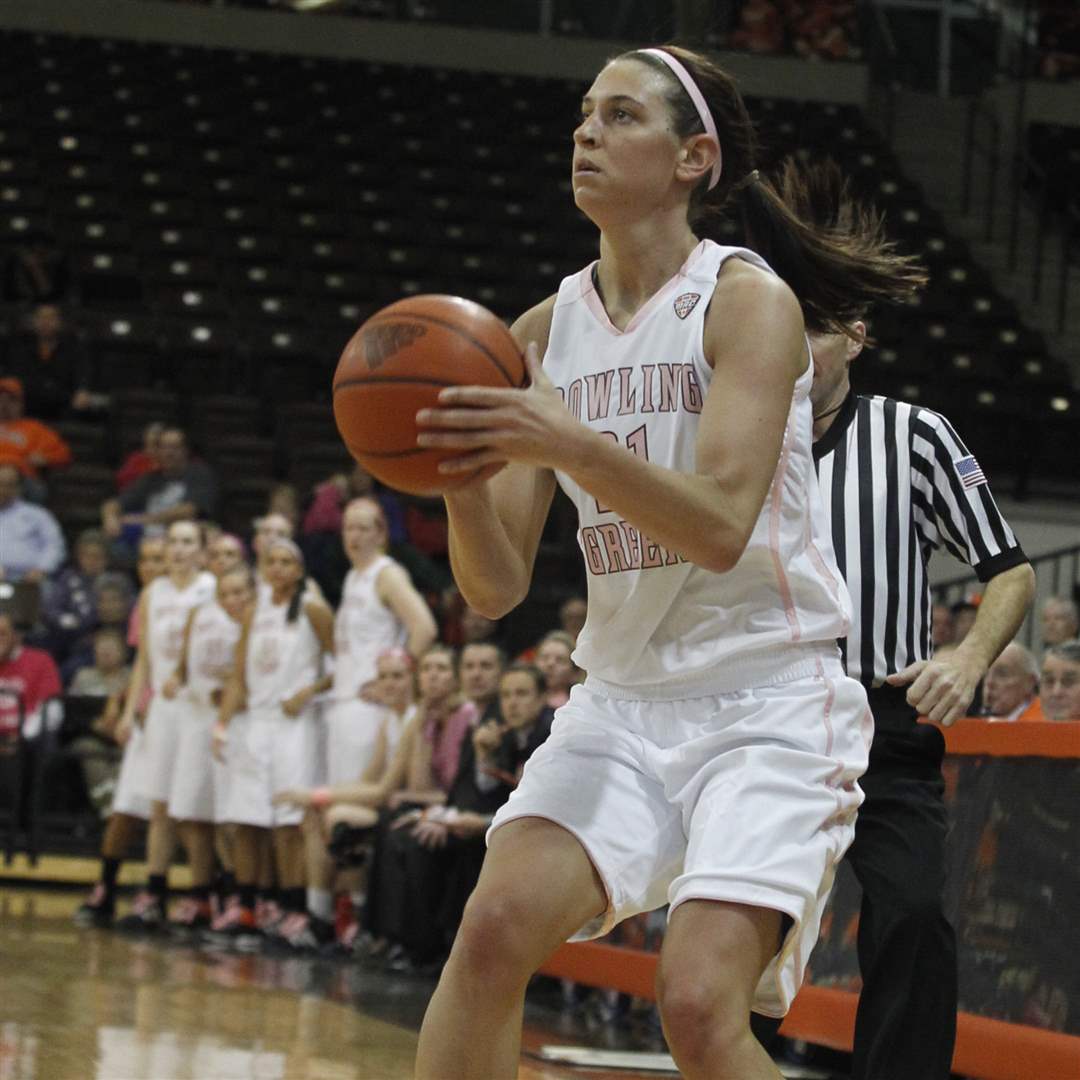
941	690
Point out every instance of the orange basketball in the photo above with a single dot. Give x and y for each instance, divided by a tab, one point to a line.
397	363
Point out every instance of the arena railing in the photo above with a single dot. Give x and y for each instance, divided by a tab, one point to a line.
988	1047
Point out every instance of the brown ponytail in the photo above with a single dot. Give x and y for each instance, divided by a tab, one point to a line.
832	254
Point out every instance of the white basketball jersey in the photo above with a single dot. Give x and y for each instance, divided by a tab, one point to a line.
363	628
659	626
282	657
211	651
166	618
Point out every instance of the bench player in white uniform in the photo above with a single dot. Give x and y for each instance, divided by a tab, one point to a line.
395	690
380	608
197	795
164	608
710	760
274	745
128	806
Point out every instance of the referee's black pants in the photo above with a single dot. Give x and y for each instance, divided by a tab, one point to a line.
905	1026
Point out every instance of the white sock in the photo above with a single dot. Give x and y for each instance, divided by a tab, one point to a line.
320	902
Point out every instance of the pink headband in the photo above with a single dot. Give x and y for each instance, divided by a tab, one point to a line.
290	546
698	99
396	652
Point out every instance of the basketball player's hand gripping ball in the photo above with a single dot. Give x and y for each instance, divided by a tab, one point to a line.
489	426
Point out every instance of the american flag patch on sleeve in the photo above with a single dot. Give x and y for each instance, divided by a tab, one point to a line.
971	475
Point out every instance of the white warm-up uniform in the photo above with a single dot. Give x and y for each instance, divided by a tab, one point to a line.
167	614
714	749
363	628
267	750
127	796
199	779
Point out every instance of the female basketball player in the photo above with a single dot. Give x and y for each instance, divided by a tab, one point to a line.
225	553
710	759
276	676
198	781
379	609
394	689
128	806
164	608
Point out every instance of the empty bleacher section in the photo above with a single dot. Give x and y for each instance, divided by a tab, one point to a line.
230	217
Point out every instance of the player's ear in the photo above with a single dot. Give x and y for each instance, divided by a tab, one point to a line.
697	157
856	342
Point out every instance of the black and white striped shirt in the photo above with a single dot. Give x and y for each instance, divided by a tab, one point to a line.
898	483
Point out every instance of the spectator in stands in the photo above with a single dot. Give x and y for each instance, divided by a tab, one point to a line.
181	490
110	672
1060	621
1011	686
560	672
479	670
476	628
431	860
27	673
31	542
963	614
36	272
53	367
330	498
1060	681
572	612
285	500
761	27
26	443
70	609
941	626
113	600
144	460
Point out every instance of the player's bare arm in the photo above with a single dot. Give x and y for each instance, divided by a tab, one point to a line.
495	525
398	593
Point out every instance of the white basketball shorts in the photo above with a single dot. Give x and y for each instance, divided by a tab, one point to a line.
269	752
127	797
162	732
192	795
748	797
352	738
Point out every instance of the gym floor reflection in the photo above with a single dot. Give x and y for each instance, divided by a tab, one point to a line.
80	1004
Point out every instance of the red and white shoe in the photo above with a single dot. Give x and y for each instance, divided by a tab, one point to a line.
191	914
236	926
147	915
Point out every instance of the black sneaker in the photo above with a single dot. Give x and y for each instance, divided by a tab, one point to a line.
147	916
97	911
307	933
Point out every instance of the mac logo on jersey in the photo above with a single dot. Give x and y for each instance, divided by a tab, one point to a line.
686	303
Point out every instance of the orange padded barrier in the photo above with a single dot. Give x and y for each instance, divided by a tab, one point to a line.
985	1048
988	1049
1040	738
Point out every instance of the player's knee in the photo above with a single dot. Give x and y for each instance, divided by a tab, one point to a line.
493	941
705	1019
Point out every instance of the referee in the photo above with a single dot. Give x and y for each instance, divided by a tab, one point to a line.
898	484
